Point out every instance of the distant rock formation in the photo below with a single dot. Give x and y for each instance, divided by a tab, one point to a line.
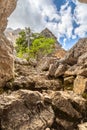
6	49
59	51
47	33
11	34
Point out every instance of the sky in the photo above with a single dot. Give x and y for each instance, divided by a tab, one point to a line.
67	19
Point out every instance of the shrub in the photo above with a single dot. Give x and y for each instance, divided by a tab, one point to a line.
39	46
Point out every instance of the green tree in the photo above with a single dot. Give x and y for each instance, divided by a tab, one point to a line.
39	46
21	44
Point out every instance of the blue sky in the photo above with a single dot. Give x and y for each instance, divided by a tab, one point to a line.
67	19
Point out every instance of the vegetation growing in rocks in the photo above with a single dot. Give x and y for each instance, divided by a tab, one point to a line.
34	46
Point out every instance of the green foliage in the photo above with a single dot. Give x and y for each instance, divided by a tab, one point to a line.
21	40
21	44
39	47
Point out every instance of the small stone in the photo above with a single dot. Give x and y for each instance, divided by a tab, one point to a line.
47	129
47	100
83	126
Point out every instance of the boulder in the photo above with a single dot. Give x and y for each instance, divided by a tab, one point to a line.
71	71
25	110
82	72
82	59
76	51
80	85
52	69
21	61
46	63
46	84
60	70
22	82
70	109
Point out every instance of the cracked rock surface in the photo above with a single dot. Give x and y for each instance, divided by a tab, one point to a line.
25	110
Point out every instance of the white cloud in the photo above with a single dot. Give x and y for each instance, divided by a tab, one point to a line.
64	42
81	19
65	25
33	13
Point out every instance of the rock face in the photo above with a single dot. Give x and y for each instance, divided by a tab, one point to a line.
12	35
76	51
6	49
25	110
69	109
47	33
59	51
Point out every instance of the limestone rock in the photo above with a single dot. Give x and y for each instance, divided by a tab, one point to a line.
82	72
80	85
47	33
68	82
69	108
21	61
45	84
82	59
38	83
25	110
52	69
76	51
6	48
12	34
22	82
33	62
6	8
46	63
60	53
60	70
83	126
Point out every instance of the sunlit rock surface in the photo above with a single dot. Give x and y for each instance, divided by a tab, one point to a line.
6	49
